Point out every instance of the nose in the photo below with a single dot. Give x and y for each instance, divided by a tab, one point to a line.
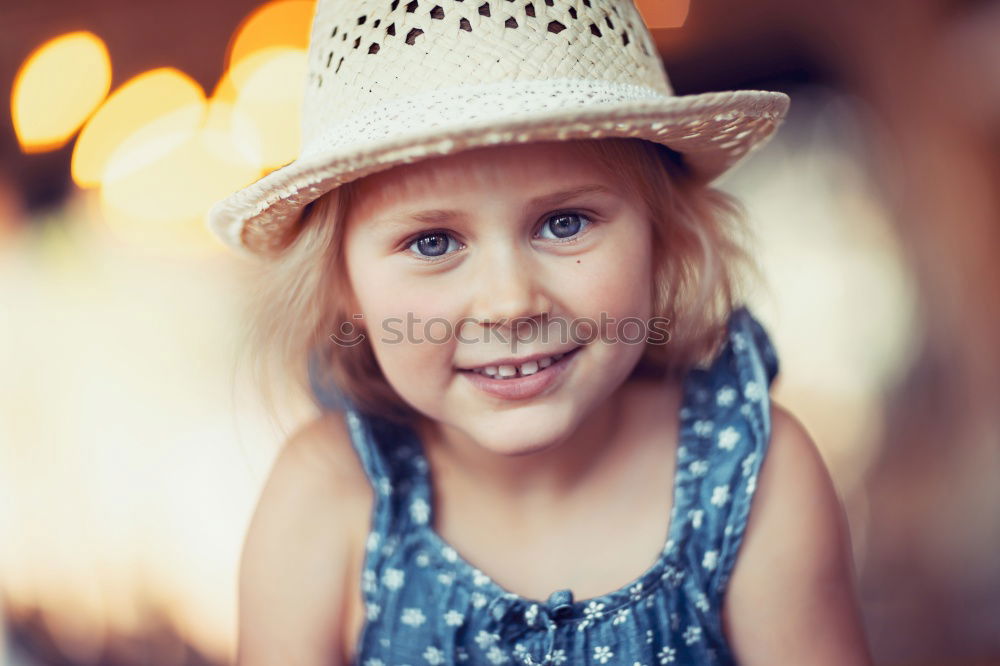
508	288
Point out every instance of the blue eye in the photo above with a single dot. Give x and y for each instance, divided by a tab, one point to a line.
431	245
566	225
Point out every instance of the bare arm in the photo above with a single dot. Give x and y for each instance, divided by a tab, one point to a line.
791	598
298	549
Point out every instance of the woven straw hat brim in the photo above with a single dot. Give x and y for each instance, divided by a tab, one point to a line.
713	131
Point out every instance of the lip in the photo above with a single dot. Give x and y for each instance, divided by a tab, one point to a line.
522	388
516	361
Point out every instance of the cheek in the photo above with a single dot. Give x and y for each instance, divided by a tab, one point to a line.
619	279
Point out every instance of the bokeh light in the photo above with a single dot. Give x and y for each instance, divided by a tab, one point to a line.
57	88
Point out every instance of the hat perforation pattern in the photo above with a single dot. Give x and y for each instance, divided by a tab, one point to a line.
438	13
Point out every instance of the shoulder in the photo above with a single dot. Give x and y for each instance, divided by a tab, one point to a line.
316	467
305	531
791	596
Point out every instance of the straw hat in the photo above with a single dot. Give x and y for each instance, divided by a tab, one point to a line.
395	81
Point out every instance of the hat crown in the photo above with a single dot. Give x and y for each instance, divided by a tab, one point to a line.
364	54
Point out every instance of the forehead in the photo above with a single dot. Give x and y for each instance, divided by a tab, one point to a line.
523	170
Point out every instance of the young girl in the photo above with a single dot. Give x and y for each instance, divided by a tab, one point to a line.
545	413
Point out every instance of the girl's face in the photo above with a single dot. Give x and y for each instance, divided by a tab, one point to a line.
436	249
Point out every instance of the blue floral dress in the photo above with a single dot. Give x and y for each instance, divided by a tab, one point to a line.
427	605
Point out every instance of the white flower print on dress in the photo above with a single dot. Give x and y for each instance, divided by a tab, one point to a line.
696	515
635	592
521	653
748	463
692	634
372	611
422	559
702	602
720	495
672	576
751	484
434	656
374	662
710	560
373	540
478	599
485	639
725	396
649	636
461	653
390	545
667	655
497	656
728	438
752	391
419	510
593	612
449	553
603	653
446	578
531	615
479	578
558	656
413	617
698	467
453	618
621	615
703	427
385	486
393	578
368	583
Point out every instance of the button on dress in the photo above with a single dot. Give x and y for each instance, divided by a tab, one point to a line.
426	605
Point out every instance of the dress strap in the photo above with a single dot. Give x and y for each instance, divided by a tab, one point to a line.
725	434
383	450
364	430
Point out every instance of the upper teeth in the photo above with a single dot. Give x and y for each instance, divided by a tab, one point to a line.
528	368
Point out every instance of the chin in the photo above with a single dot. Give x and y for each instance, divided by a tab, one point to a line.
520	438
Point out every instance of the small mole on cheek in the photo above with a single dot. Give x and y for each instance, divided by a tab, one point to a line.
577	261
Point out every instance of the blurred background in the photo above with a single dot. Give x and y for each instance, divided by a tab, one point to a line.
132	446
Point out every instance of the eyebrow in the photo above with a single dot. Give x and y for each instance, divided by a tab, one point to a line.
440	216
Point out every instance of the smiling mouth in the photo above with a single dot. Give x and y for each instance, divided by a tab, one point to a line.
527	369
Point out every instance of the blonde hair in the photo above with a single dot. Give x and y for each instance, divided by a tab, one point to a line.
700	254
